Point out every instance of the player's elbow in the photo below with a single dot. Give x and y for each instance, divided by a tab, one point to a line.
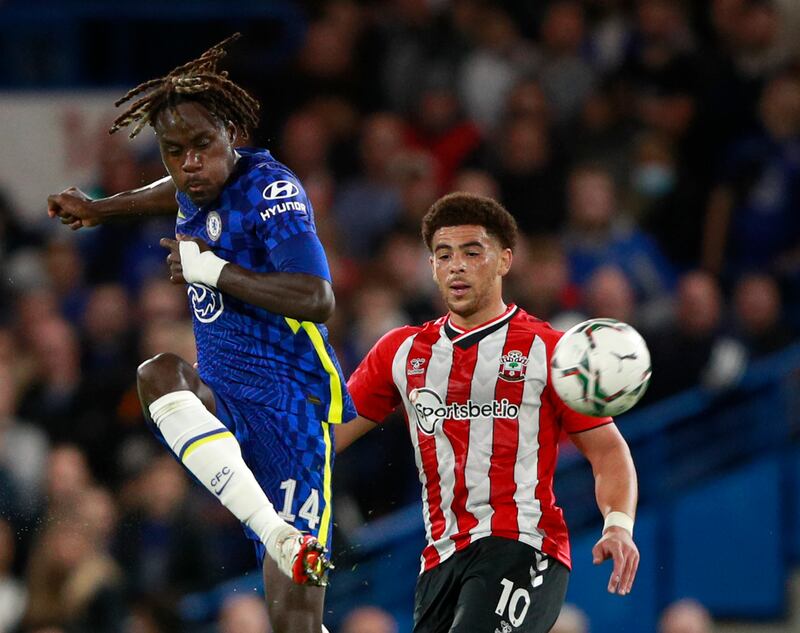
323	303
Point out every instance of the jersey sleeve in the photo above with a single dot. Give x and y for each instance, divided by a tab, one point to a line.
371	385
280	208
301	253
574	422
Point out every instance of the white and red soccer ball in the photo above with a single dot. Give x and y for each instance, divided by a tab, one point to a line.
600	367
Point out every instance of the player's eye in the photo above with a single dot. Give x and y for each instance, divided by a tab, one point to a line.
472	253
203	143
173	151
443	257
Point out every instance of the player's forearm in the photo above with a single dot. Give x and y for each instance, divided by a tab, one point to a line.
157	198
615	481
348	433
294	295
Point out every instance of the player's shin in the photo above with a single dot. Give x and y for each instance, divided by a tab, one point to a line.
212	454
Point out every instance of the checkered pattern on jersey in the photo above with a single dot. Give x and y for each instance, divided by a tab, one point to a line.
246	352
279	447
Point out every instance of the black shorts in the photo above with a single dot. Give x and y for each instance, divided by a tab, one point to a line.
495	585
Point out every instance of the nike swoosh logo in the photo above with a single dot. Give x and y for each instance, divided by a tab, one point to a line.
222	487
181	216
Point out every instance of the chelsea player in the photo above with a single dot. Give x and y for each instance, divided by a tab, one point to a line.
252	423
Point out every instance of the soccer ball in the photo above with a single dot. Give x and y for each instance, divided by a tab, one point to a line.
600	367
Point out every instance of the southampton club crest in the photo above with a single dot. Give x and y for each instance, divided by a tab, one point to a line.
512	366
206	302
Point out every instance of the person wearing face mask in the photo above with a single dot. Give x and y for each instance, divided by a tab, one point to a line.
663	200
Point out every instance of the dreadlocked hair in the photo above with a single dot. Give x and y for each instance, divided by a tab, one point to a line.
196	80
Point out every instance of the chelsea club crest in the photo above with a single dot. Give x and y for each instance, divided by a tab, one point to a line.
213	226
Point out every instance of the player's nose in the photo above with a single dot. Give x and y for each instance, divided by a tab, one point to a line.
192	162
457	264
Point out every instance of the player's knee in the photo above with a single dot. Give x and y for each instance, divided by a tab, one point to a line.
163	374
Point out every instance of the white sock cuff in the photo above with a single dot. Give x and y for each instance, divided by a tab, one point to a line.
172	402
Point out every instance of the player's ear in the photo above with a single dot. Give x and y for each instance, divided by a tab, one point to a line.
233	134
433	267
506	258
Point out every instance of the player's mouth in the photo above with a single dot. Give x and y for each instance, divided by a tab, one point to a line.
459	288
196	186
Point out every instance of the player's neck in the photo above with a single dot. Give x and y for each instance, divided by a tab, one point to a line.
480	317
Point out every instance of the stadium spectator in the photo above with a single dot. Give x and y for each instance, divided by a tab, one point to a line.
67	477
161	544
305	145
757	312
599	234
13	596
23	447
368	206
548	294
752	220
608	293
72	580
530	175
440	127
159	300
685	616
500	58
566	77
571	620
369	620
243	614
692	349
602	133
53	398
477	181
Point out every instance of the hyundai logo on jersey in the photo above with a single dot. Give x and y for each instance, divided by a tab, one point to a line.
280	189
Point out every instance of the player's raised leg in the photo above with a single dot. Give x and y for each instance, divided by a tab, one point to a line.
292	608
182	408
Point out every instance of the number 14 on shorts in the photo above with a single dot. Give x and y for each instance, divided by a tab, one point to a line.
308	511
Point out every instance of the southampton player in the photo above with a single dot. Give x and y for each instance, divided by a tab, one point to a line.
252	423
485	424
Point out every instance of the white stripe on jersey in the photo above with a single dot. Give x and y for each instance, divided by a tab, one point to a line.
526	469
481	431
437	378
400	378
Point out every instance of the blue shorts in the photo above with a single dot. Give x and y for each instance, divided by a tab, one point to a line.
291	457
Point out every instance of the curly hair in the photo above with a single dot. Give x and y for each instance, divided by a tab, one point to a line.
197	80
459	208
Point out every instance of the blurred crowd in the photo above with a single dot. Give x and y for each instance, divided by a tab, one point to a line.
649	150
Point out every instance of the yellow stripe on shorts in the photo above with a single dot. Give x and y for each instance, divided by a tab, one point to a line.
335	383
326	486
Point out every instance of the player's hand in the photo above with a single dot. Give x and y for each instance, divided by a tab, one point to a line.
200	243
174	257
73	208
617	544
191	260
173	260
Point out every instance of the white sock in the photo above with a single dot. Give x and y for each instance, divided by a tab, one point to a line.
213	455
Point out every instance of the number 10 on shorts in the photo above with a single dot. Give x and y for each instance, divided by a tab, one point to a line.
510	599
308	511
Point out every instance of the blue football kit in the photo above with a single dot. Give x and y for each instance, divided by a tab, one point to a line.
276	380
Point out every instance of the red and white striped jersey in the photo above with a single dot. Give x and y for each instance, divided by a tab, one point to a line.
484	422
